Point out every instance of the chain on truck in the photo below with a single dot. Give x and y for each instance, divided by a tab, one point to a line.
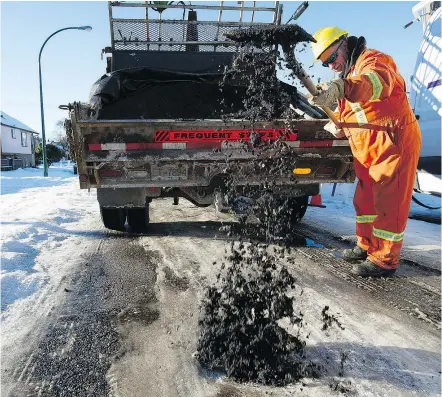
140	139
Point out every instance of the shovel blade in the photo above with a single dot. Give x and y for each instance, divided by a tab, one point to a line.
264	36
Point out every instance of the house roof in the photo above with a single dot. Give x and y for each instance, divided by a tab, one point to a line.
11	122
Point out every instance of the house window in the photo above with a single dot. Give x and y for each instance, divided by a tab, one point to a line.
24	139
13	133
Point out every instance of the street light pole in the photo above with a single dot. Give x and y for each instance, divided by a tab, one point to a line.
43	136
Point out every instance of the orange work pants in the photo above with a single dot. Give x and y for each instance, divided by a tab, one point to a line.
385	163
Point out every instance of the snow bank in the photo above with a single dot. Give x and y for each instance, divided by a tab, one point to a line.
40	216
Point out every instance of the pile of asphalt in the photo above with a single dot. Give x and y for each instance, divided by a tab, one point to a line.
239	327
240	320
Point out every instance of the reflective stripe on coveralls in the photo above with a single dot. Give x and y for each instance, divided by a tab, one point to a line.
386	235
365	218
376	84
359	113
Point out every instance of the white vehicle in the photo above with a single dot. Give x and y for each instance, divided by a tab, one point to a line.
426	95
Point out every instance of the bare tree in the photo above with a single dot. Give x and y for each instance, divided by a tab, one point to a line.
60	134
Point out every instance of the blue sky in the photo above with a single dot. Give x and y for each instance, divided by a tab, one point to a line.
71	60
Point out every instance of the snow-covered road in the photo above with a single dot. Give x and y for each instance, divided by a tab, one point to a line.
91	312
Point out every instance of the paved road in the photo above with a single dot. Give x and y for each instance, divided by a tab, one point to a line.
126	322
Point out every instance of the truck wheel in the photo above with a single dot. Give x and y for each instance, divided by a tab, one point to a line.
279	214
298	206
138	219
113	218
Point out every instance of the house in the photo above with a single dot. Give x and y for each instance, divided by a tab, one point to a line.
17	144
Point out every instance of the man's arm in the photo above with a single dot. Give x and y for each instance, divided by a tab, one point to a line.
374	81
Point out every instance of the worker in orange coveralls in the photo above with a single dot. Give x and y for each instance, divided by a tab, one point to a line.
385	140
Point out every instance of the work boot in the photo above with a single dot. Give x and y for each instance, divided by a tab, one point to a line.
354	254
369	269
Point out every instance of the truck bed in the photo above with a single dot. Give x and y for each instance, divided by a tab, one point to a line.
162	153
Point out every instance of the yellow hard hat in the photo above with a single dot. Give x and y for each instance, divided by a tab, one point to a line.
325	37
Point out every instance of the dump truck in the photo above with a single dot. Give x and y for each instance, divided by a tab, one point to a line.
158	125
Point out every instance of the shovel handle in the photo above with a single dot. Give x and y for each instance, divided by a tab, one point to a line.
311	87
308	83
331	115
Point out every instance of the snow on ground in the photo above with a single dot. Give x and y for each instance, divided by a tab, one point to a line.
43	220
41	228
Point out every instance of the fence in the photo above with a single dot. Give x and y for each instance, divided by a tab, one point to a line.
9	164
63	164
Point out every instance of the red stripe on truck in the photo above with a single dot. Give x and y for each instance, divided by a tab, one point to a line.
94	146
222	135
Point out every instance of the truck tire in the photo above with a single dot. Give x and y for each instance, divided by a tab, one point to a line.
138	219
298	206
113	218
279	214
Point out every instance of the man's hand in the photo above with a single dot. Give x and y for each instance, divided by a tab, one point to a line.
336	131
329	96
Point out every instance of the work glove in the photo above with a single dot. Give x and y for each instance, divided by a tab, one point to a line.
328	97
333	129
322	86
